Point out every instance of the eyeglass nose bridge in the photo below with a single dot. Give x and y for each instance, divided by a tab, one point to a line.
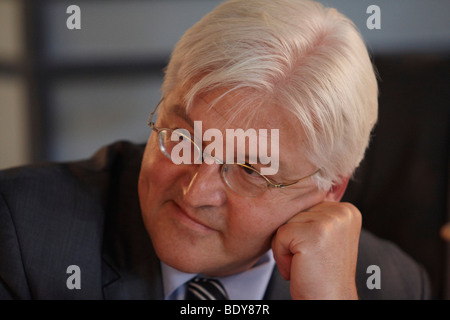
211	159
200	169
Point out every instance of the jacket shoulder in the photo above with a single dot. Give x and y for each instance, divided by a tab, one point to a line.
53	218
384	271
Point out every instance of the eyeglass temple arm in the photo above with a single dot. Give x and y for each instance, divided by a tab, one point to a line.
150	117
286	185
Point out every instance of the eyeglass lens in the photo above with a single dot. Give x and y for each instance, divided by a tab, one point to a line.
178	147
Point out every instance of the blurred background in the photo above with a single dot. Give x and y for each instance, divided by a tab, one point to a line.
65	93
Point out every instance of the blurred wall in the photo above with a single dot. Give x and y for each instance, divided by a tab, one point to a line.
64	93
14	134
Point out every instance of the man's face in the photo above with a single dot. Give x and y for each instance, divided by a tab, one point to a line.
196	223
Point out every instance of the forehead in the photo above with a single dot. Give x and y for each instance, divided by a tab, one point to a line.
231	110
221	110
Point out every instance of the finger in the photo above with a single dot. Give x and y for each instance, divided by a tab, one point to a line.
284	243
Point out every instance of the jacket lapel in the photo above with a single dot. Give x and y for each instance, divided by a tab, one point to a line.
141	282
130	267
278	288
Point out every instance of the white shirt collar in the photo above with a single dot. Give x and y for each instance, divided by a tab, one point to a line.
248	285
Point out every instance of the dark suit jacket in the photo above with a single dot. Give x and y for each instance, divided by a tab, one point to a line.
87	213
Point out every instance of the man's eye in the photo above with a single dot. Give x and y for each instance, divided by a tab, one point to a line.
248	170
180	134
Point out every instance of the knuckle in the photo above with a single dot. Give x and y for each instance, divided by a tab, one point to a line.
283	233
350	213
322	229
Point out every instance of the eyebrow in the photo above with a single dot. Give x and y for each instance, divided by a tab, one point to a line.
180	111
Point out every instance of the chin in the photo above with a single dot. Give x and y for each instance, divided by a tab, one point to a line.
183	262
191	259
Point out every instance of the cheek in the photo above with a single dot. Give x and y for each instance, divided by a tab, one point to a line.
253	223
155	177
252	226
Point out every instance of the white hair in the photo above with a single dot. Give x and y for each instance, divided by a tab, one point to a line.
298	55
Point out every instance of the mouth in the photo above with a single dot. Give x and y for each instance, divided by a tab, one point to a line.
189	220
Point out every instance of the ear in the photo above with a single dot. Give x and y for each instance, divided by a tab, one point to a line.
336	192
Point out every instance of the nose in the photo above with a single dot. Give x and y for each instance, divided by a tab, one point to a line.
205	187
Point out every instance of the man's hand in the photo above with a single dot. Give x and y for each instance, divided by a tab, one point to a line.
317	251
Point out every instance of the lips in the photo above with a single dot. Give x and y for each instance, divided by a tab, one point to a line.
187	218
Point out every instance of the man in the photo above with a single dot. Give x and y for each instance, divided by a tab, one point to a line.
144	224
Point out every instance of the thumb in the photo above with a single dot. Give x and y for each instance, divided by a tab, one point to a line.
282	256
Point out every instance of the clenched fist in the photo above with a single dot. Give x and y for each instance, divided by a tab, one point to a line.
317	251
